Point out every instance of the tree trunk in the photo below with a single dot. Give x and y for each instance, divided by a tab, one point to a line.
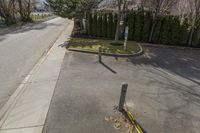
117	28
21	10
24	10
118	22
191	37
182	19
152	30
155	19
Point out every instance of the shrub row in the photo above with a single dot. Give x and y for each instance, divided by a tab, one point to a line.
168	29
101	25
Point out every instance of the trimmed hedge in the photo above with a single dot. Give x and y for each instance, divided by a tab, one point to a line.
90	19
139	23
165	30
99	26
94	25
131	25
157	32
184	33
196	37
110	25
105	26
147	26
115	25
168	29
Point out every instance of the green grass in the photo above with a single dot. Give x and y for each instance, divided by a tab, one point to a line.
94	44
36	17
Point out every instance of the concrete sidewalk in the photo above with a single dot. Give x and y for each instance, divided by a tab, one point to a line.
26	110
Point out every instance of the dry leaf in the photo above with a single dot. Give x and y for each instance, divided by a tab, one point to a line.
127	125
106	118
111	118
131	129
117	126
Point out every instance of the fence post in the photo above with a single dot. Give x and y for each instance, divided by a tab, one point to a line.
122	96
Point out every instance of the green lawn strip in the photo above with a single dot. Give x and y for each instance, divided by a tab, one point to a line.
94	44
37	18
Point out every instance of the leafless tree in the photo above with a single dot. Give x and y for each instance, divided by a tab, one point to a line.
159	7
139	3
121	7
182	7
194	17
7	11
25	9
11	9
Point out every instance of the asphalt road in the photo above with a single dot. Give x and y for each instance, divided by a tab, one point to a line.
163	92
21	49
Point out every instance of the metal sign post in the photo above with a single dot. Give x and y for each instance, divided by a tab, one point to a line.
122	96
84	25
126	38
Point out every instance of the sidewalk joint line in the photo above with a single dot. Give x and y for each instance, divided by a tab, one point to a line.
21	127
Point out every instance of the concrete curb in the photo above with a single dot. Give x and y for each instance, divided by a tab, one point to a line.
170	47
108	54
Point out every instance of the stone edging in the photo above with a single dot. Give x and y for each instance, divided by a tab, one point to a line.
109	54
169	47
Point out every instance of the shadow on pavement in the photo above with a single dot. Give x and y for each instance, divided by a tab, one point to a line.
27	27
185	63
64	45
181	64
1	39
34	26
110	69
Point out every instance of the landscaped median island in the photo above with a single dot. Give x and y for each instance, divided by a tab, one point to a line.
93	45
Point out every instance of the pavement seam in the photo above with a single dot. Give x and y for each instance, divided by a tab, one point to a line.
56	84
6	129
10	104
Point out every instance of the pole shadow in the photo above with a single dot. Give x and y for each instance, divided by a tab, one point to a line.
65	44
106	66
